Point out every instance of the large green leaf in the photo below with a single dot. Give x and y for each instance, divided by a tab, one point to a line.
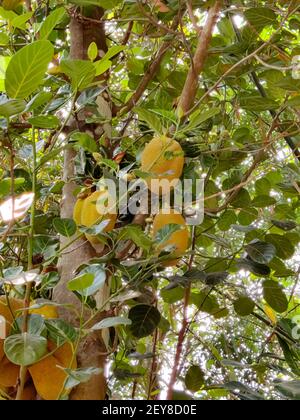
244	306
261	252
145	319
275	296
151	119
55	17
290	390
81	72
25	349
27	68
259	17
194	378
65	227
9	107
284	248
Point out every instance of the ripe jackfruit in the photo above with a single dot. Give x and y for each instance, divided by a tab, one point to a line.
178	239
162	158
90	214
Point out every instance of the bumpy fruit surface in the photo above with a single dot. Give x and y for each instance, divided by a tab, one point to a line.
47	376
162	158
179	239
91	216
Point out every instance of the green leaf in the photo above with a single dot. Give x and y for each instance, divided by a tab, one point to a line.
27	68
10	107
199	117
136	234
81	282
244	306
242	200
94	230
101	66
291	389
247	216
20	20
25	349
111	322
227	219
116	49
194	379
99	273
81	72
166	232
44	121
35	324
284	225
150	118
145	319
257	103
261	252
106	4
259	17
263	201
260	270
274	296
55	17
4	61
79	376
65	227
284	248
92	51
59	331
85	141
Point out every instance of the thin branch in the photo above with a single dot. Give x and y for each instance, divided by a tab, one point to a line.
149	75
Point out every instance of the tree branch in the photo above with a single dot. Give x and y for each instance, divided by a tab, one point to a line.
149	75
191	85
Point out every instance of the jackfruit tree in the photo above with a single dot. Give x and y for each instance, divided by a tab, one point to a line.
124	294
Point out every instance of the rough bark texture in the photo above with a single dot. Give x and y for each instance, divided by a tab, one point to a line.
92	348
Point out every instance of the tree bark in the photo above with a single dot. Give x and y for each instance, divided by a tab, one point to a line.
91	349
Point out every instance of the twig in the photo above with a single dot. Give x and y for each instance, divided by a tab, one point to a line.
149	75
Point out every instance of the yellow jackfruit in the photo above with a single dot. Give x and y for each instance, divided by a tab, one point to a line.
163	159
90	214
178	239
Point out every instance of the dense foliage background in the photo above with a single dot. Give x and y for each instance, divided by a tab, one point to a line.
227	314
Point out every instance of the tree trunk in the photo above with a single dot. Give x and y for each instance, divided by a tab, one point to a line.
92	348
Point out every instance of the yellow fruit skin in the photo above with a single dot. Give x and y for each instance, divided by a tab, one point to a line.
155	160
179	239
9	373
47	377
77	211
47	311
90	215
